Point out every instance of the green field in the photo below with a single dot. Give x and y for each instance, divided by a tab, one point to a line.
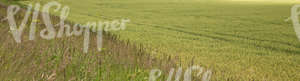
238	40
62	59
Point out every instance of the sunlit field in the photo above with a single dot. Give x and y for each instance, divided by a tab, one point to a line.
239	40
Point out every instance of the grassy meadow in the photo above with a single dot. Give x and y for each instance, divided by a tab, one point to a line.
239	40
62	59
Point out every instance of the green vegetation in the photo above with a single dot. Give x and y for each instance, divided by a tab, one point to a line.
62	59
239	40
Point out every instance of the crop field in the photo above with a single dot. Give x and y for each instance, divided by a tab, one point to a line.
62	59
238	40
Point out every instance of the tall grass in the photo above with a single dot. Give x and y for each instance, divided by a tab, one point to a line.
63	58
238	40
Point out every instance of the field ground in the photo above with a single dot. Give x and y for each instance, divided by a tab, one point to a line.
238	40
62	59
